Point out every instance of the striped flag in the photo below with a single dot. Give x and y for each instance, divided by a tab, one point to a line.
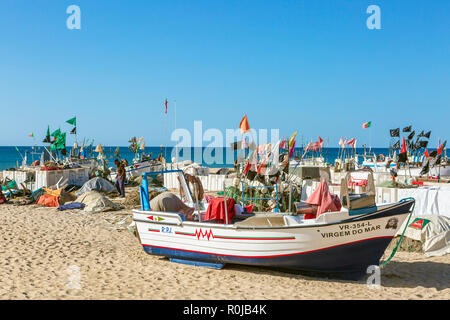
367	125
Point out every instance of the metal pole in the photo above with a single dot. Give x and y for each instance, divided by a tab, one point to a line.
175	111
225	203
290	196
196	201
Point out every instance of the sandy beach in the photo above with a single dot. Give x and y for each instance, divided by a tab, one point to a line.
40	248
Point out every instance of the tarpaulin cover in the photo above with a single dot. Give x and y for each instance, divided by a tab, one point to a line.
96	202
48	200
429	200
73	205
432	230
323	199
56	193
216	210
97	184
36	194
11	185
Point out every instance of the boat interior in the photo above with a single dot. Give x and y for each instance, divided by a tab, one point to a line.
353	204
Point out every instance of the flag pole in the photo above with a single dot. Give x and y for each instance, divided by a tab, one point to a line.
175	115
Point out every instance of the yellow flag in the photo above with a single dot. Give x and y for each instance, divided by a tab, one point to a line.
292	139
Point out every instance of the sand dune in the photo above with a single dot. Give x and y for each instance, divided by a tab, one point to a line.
42	248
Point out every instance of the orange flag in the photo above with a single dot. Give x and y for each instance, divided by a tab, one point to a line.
244	126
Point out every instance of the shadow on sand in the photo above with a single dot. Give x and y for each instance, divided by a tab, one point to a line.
394	275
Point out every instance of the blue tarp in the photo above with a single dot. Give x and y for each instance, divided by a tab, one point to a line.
73	205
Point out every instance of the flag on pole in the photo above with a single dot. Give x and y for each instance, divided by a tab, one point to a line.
243	125
402	157
165	103
352	142
442	146
407	129
47	136
342	143
56	133
31	135
320	142
291	151
99	149
395	132
72	121
292	140
367	125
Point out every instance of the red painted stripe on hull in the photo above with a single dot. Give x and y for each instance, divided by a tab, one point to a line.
271	256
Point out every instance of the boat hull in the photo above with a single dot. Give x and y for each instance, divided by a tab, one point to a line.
343	249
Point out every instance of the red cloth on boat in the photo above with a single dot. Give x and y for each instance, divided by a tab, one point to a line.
324	200
216	210
50	168
48	200
357	182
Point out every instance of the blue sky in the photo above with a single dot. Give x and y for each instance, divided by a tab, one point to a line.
311	66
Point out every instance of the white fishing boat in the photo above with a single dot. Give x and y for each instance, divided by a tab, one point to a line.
138	168
342	243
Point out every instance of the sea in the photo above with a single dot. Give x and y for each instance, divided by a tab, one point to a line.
12	157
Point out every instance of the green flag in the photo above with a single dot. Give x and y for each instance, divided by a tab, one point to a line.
72	121
60	142
56	133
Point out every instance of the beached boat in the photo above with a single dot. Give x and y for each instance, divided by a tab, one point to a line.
341	244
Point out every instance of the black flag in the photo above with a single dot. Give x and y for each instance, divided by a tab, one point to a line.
423	144
425	167
411	135
427	135
420	134
402	157
395	132
396	145
407	129
236	145
74	130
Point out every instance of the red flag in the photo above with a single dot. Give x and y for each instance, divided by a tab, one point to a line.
352	142
439	151
247	167
165	103
320	142
291	152
403	150
426	153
